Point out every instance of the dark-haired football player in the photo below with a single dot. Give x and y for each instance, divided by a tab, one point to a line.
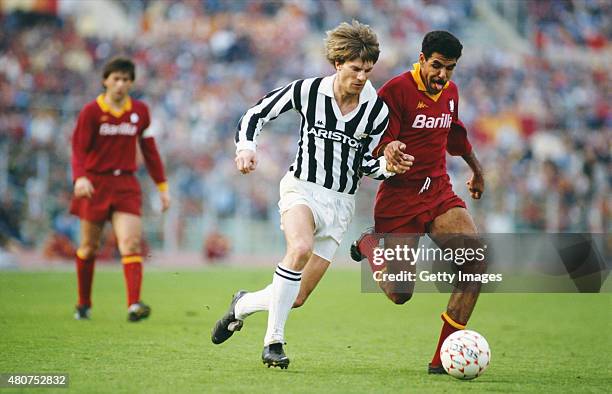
105	187
424	123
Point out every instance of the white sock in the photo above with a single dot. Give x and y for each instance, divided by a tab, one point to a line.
285	289
253	302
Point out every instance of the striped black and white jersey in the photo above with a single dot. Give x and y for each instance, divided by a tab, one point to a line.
334	150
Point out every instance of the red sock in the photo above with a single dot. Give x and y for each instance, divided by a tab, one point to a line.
85	271
366	246
449	327
132	270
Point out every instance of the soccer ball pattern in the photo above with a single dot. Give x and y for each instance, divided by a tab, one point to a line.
465	354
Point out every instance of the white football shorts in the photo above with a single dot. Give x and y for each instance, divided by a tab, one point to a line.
332	211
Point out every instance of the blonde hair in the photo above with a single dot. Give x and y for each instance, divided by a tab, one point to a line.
351	41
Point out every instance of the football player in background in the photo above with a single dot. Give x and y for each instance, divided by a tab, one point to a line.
105	187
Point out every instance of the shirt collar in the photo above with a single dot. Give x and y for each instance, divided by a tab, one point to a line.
416	75
127	106
327	88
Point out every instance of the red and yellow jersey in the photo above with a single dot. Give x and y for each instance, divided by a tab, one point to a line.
429	125
104	140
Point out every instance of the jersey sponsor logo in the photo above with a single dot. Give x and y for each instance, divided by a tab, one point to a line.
429	122
118	129
335	135
421	105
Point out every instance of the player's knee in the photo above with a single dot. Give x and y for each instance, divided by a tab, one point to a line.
476	263
300	251
87	251
130	245
399	298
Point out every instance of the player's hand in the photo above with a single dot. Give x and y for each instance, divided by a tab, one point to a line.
164	197
83	188
246	161
476	185
394	169
397	158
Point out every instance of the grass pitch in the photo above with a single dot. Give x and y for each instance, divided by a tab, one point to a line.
340	341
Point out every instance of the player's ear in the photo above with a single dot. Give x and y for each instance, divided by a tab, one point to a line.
422	59
338	65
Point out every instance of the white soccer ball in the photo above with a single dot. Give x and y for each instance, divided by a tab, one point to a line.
465	354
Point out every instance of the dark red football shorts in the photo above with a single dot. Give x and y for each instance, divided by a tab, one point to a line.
410	206
111	193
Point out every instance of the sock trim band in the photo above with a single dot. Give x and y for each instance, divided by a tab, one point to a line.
288	271
453	323
288	278
131	259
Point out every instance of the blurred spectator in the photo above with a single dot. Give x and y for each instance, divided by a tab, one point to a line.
540	127
216	246
10	220
58	246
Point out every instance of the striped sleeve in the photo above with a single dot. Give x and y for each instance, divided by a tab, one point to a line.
268	108
376	167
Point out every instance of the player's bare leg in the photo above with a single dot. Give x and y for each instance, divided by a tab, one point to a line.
398	292
91	233
128	230
463	299
458	221
298	224
311	276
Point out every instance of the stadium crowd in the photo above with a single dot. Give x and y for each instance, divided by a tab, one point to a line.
540	127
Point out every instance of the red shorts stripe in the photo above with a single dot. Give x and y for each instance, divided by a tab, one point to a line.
412	206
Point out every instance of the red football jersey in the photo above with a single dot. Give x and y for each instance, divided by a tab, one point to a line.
428	125
105	140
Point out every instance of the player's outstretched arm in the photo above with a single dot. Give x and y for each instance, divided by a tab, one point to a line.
246	161
476	185
269	107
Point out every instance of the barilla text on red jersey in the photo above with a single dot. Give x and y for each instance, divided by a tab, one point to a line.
428	125
104	140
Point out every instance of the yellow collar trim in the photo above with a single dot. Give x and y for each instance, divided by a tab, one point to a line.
127	106
416	75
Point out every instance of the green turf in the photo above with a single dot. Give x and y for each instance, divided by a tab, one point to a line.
340	341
